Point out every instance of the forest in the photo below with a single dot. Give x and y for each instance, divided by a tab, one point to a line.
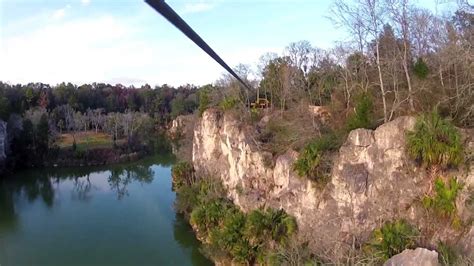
39	117
404	59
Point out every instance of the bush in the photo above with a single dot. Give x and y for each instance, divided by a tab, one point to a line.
311	161
182	174
435	141
228	103
362	118
255	115
281	225
187	199
203	191
444	201
391	239
447	255
270	224
226	229
208	215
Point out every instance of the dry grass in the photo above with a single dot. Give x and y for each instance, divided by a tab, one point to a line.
291	129
87	140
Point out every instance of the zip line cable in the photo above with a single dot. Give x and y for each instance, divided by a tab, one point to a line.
166	11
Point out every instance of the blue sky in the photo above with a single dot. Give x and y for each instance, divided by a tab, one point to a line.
117	41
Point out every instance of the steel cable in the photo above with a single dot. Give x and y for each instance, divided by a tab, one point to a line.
166	11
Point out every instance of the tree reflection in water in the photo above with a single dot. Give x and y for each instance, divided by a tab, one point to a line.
121	177
43	184
82	188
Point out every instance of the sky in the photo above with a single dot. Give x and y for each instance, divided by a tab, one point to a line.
127	42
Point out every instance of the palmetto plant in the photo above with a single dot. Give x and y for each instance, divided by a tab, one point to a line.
444	201
435	141
392	238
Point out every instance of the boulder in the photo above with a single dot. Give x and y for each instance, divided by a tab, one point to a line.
416	257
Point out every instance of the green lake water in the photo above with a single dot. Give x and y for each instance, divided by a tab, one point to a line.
115	215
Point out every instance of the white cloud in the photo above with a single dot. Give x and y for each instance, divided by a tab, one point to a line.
85	2
109	49
101	49
59	14
197	7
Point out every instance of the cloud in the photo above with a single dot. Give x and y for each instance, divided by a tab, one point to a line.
85	2
197	7
60	13
107	48
100	49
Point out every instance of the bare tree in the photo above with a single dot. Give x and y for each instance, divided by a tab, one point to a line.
365	19
69	121
399	11
96	117
113	125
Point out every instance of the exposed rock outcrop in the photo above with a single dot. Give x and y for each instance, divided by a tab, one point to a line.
181	134
416	257
373	180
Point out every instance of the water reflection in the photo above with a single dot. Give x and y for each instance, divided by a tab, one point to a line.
42	184
8	217
184	235
82	188
120	178
55	216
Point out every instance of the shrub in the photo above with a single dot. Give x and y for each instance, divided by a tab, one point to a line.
270	224
447	255
190	196
435	141
362	118
281	225
255	115
182	174
228	103
444	200
208	215
310	162
187	199
227	230
391	239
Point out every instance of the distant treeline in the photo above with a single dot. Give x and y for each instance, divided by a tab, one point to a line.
36	115
162	102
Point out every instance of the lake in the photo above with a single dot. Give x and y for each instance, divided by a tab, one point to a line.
114	215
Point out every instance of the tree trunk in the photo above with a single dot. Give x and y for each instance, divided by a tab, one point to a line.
407	75
382	89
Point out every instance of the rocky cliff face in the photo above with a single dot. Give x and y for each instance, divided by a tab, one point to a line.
181	133
373	181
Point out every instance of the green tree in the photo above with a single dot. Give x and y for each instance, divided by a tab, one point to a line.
42	135
204	100
4	108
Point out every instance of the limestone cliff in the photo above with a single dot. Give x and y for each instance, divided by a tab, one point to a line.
181	133
373	181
